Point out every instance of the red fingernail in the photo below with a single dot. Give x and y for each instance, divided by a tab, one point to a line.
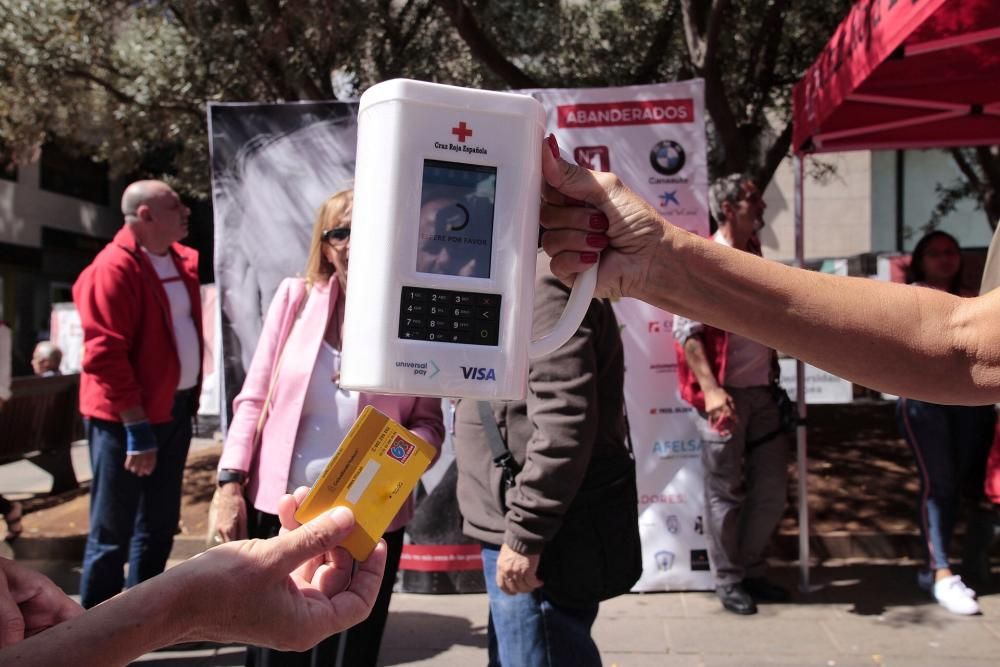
588	257
597	240
553	145
599	221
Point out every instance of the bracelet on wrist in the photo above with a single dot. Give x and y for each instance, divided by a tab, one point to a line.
227	476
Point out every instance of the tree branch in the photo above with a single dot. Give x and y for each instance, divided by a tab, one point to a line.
661	40
989	163
772	25
714	28
775	153
122	96
693	37
482	47
966	168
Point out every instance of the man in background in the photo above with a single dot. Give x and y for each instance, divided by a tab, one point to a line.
729	379
46	358
140	309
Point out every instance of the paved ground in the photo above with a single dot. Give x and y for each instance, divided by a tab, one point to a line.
868	615
862	614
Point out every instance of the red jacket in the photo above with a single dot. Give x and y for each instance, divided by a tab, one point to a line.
129	349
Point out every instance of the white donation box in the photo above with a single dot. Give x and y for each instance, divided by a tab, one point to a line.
443	243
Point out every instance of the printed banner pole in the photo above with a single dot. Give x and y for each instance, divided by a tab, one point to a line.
653	138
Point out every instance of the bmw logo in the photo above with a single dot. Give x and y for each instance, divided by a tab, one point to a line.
667	157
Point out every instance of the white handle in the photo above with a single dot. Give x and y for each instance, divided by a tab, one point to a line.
576	309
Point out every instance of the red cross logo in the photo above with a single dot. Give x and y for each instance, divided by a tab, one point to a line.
462	132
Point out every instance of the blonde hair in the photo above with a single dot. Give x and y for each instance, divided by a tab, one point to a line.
331	212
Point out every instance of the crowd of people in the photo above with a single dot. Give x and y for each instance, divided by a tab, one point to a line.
545	485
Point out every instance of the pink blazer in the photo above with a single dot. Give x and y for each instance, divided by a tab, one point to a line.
269	478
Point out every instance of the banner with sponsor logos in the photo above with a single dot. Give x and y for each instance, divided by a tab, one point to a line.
653	138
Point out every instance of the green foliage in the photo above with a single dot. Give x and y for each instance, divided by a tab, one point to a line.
127	82
124	81
980	182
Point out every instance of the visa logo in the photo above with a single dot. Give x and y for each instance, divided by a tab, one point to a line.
476	373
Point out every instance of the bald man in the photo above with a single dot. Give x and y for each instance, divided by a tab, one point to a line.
140	308
46	358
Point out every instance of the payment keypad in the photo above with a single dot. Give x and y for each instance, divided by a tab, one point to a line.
447	316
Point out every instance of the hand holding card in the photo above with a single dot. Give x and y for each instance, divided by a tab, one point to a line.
376	467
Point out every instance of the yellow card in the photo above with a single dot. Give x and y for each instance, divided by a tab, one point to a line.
372	473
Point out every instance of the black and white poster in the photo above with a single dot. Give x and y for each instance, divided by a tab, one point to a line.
272	167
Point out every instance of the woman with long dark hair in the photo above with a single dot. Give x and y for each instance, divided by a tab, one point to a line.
949	442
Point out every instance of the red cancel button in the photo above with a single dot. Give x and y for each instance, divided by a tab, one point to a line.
645	112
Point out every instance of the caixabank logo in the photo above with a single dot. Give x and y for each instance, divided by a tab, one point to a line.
400	450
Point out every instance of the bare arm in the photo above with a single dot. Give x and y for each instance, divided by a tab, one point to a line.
694	354
718	403
287	593
906	340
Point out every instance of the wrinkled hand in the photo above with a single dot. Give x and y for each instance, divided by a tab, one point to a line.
287	593
587	212
141	463
29	603
721	411
287	505
517	573
231	520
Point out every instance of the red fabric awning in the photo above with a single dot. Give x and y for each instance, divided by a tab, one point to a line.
904	74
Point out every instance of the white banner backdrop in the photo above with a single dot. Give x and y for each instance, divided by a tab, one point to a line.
653	138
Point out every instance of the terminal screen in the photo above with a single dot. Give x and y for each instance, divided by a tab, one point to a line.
457	203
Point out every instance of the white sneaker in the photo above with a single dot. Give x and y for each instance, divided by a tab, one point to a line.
955	596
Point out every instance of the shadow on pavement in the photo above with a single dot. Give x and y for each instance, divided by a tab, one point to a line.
871	590
413	635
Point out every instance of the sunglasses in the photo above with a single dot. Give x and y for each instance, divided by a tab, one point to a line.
337	234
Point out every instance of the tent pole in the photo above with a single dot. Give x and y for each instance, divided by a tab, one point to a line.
800	390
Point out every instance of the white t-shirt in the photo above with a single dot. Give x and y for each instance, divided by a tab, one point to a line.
188	347
328	413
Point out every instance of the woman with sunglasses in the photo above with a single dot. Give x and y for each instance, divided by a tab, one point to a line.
293	381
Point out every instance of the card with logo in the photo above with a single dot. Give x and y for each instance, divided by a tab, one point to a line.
372	473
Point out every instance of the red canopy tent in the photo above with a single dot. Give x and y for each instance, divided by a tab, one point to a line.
896	74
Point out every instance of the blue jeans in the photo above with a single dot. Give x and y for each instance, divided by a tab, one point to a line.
529	630
132	518
950	444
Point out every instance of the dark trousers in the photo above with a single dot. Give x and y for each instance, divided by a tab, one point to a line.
355	647
745	485
132	519
950	444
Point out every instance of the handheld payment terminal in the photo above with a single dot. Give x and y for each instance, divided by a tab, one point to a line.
443	244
